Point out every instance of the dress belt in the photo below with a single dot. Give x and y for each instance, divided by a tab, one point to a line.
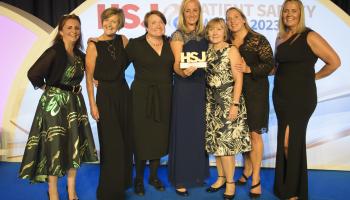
76	89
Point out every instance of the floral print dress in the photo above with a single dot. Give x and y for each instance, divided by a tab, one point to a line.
223	137
60	137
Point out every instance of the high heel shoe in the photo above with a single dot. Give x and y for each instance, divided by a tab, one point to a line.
254	195
212	189
229	196
68	195
239	182
182	193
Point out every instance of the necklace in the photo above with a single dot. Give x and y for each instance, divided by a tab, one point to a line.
111	49
155	44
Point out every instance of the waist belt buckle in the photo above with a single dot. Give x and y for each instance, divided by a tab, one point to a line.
76	89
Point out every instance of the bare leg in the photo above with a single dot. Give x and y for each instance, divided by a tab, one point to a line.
256	155
221	176
286	144
247	170
71	177
53	192
228	164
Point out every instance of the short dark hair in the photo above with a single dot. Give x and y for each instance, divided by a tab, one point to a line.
154	12
114	11
61	23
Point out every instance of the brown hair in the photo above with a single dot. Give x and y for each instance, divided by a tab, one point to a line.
114	11
246	25
61	23
153	12
213	22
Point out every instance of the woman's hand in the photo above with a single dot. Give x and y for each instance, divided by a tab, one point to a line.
94	112
189	71
242	67
233	113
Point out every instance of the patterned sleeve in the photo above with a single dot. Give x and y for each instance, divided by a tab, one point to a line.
39	72
177	36
266	61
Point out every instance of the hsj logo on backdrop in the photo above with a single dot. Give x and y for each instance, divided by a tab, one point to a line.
192	59
132	19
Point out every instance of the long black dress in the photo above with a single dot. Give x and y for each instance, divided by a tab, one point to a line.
112	99
295	99
151	98
257	53
188	161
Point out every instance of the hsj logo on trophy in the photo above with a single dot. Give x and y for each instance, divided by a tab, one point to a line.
189	59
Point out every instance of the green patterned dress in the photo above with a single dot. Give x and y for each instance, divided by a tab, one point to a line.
223	137
60	137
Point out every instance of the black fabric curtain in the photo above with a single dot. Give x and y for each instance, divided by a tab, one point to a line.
47	10
51	10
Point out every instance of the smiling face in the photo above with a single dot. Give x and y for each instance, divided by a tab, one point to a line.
235	21
70	31
191	13
216	33
156	26
291	15
110	25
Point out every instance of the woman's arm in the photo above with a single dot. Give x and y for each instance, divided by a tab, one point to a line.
325	52
235	58
90	60
41	68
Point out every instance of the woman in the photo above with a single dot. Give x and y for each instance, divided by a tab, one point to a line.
188	161
106	62
60	137
294	95
256	66
151	98
227	131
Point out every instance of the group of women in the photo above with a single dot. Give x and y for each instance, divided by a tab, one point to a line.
189	113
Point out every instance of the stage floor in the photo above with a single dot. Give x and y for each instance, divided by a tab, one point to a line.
323	185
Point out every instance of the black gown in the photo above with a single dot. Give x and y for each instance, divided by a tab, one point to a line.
295	99
151	97
112	99
188	161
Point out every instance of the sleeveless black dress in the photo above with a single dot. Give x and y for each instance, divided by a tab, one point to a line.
112	99
295	99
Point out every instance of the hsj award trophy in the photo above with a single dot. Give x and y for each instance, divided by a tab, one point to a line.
189	59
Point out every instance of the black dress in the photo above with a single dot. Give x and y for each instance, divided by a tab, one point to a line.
257	53
112	99
151	98
295	99
188	160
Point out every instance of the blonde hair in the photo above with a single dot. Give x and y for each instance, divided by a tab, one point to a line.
301	25
181	25
114	11
216	21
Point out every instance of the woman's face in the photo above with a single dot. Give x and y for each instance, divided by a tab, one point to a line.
291	14
216	33
191	13
110	25
156	26
235	21
70	31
